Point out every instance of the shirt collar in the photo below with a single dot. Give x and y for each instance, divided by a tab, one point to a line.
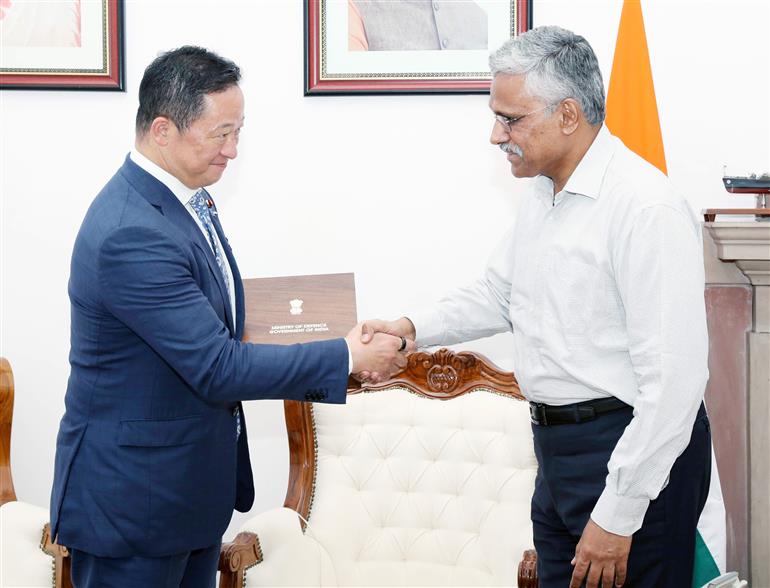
588	176
182	192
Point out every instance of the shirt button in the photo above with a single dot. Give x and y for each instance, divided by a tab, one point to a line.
444	43
435	6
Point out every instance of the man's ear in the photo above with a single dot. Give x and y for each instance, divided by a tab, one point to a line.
160	130
570	116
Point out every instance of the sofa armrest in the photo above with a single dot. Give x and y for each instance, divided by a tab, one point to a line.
236	557
527	577
289	557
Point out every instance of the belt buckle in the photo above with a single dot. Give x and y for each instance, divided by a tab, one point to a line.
537	413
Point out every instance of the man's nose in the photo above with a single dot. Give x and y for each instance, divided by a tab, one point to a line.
230	148
499	134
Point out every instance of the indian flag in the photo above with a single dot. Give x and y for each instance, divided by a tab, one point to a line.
632	115
711	536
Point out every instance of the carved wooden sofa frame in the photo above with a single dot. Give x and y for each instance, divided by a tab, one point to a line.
441	375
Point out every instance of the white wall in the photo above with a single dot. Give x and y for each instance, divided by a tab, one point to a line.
404	191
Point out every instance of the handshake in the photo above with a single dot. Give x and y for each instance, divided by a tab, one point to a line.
379	348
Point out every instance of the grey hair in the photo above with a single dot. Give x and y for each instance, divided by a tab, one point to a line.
558	64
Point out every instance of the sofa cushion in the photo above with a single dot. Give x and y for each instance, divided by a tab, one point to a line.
24	563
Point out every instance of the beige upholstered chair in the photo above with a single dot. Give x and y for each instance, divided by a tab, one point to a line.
425	480
27	556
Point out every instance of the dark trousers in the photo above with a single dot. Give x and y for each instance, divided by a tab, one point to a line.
193	569
572	461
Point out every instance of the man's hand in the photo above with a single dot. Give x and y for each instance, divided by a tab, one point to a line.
402	327
382	356
603	555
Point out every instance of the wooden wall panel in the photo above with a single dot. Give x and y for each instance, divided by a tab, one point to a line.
729	322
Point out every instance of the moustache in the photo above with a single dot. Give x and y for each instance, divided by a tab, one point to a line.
511	148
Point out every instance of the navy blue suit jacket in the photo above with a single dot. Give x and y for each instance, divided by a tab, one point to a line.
147	457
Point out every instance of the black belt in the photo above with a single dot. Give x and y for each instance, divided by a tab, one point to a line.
580	412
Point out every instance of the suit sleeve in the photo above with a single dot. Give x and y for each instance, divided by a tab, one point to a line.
147	283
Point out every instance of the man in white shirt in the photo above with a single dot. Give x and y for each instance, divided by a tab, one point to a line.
152	454
601	282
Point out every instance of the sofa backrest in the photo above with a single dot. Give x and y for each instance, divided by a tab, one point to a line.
425	481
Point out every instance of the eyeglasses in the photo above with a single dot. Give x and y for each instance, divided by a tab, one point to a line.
508	122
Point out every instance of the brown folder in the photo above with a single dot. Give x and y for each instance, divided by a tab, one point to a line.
298	309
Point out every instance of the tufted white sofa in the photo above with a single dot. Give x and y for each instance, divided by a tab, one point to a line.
424	481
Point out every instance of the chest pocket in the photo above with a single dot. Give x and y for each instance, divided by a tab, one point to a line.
573	291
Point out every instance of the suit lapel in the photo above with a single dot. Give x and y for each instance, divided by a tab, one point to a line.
159	196
237	283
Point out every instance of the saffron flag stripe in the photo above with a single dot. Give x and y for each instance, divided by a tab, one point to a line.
632	111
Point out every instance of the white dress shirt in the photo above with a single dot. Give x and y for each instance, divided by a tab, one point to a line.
184	195
603	288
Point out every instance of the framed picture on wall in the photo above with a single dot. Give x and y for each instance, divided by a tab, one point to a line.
406	46
61	45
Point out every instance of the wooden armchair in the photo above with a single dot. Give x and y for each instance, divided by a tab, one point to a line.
400	487
28	556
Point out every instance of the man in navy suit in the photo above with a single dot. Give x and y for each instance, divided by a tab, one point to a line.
152	454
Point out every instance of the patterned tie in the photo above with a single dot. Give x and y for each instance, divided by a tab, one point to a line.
201	208
198	203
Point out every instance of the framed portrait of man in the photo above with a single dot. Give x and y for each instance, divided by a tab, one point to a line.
406	46
62	45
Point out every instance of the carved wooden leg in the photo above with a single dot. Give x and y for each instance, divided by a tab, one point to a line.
528	570
236	557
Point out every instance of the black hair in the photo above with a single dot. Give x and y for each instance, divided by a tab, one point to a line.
175	83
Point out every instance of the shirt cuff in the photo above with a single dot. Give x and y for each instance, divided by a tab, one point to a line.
619	514
350	358
428	326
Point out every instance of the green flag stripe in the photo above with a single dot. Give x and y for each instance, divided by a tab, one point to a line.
705	568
